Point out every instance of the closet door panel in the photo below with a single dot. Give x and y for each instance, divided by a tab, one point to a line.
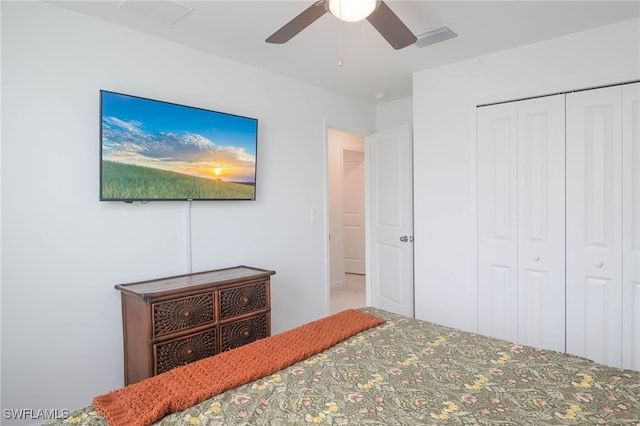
631	226
594	225
497	223
541	216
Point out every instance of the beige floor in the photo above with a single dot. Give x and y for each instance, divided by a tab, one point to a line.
349	295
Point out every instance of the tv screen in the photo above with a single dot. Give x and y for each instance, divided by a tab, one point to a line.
155	150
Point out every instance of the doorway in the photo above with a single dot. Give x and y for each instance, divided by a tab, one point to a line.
347	248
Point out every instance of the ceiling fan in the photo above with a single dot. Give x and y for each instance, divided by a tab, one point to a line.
375	11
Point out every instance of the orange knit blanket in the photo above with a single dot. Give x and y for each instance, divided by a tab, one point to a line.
145	402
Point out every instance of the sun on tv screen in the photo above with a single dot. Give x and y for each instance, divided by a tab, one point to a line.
155	150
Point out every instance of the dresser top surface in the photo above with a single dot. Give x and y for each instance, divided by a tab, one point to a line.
218	277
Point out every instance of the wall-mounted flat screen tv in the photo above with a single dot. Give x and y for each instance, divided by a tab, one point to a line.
155	150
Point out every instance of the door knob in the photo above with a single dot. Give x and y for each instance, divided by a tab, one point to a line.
404	238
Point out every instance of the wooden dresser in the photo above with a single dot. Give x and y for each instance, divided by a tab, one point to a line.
172	321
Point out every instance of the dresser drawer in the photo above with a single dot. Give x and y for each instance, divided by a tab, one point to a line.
183	313
239	333
241	300
174	353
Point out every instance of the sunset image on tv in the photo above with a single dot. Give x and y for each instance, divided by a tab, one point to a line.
153	150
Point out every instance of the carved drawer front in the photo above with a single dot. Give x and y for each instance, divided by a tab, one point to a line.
240	300
240	333
181	314
183	351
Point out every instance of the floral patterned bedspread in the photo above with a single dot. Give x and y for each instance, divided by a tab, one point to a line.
410	372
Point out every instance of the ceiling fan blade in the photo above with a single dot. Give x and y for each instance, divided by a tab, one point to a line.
297	24
391	27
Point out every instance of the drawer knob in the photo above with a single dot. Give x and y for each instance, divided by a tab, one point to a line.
599	264
187	352
245	300
185	313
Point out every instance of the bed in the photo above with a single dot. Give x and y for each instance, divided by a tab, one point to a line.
407	371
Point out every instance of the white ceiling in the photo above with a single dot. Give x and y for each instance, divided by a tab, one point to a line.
237	30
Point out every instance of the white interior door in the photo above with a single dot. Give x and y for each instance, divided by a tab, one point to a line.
353	214
541	216
497	221
594	225
339	145
390	263
631	226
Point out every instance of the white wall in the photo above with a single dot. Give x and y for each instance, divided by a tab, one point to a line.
63	250
444	103
394	113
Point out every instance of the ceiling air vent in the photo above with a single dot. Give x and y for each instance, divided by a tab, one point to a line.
434	36
165	11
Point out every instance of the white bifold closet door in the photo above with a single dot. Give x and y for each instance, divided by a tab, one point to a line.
521	199
603	225
631	226
594	225
541	222
497	221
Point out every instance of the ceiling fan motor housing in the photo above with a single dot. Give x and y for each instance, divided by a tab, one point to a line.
351	10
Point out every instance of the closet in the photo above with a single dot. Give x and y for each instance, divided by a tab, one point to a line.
559	223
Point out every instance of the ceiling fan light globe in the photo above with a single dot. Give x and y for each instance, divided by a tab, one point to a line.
351	10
